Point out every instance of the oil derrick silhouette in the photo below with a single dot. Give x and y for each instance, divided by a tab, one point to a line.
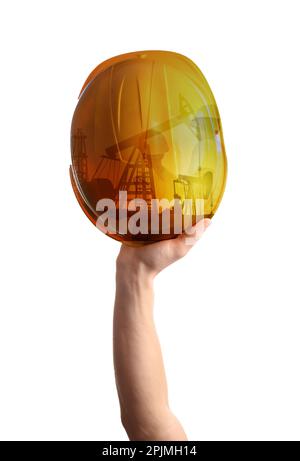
79	155
135	175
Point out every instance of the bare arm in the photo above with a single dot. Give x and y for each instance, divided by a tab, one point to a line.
139	369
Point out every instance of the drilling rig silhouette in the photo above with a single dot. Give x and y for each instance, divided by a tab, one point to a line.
135	174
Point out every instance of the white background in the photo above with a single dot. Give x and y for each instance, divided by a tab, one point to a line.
227	314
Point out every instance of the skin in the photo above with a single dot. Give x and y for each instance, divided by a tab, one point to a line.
139	369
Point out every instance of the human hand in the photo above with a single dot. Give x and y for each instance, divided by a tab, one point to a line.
153	258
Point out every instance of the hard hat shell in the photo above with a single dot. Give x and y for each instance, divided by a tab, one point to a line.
147	123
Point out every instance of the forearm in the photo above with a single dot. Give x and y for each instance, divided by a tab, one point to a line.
139	370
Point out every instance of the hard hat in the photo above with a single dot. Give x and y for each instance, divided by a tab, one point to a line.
147	125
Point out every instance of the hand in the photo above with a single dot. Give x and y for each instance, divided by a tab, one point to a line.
153	258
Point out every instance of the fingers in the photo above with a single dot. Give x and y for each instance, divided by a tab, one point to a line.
192	235
167	250
196	231
184	242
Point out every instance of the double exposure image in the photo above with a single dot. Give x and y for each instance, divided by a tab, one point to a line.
147	147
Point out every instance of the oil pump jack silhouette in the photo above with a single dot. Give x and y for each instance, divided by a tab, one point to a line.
135	175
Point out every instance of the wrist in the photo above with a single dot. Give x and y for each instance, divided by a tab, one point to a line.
134	289
134	271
